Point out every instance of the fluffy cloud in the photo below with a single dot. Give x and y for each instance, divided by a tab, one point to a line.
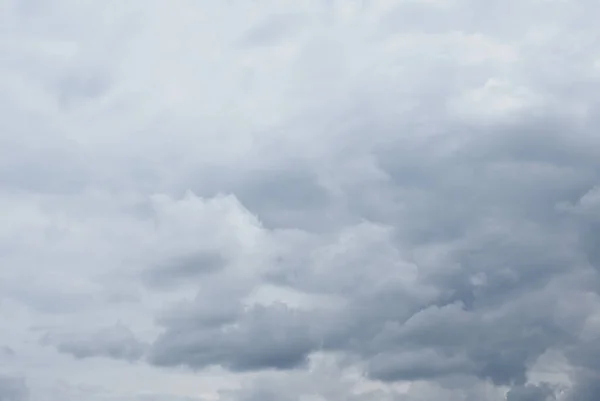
319	200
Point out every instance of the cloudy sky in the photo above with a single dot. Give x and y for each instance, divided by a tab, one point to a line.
307	200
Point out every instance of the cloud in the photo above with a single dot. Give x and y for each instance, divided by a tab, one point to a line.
350	200
12	389
187	267
265	337
531	393
586	386
116	342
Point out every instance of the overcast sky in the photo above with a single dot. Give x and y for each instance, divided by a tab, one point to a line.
299	200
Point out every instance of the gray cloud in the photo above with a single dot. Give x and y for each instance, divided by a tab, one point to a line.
116	342
264	337
489	282
586	386
406	190
7	352
531	392
184	269
13	389
273	29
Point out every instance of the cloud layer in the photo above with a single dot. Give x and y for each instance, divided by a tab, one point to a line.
318	200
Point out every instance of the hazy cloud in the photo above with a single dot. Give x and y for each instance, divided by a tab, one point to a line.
116	342
12	389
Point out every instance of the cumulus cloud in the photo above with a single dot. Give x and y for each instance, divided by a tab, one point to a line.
320	200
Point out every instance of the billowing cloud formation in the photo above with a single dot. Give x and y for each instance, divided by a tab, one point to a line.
320	200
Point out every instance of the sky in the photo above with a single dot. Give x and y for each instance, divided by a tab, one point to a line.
308	200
